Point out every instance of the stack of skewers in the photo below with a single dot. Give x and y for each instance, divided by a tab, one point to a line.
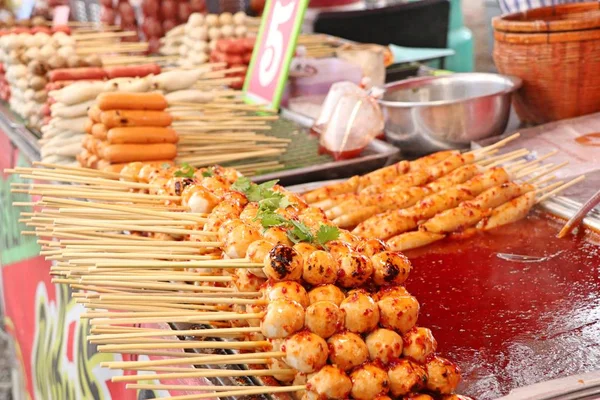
318	308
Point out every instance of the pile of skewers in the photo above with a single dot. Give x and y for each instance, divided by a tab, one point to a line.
312	305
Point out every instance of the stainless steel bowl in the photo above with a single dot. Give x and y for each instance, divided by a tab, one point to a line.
428	114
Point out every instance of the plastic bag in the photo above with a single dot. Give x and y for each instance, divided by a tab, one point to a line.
355	121
333	97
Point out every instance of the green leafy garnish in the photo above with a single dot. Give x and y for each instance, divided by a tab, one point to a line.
208	173
326	233
242	185
165	166
300	233
271	219
186	171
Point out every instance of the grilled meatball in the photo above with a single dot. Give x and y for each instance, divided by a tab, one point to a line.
405	377
326	293
306	352
288	290
304	249
398	313
369	381
347	350
362	313
283	263
324	318
444	376
282	318
371	247
277	235
390	268
329	383
419	344
384	345
237	241
320	268
355	270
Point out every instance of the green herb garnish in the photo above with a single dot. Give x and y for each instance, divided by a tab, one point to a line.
165	166
208	173
326	233
185	171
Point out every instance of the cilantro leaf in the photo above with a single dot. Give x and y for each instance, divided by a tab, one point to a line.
208	173
284	202
268	184
242	184
185	171
271	219
300	233
327	233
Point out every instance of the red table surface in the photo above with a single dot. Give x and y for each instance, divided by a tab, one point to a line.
509	324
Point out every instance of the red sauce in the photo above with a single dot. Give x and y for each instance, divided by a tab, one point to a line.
341	155
510	324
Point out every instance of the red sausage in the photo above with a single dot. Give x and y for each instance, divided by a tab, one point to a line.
132	71
77	74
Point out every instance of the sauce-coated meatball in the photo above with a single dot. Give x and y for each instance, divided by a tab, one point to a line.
330	383
199	199
256	253
277	235
283	263
236	198
362	313
355	269
249	212
282	318
369	381
320	268
346	236
337	248
227	227
299	379
390	291
289	290
384	345
227	208
347	350
246	281
398	313
304	249
237	241
419	344
406	376
324	318
306	352
276	363
326	293
390	268
371	247
313	217
444	376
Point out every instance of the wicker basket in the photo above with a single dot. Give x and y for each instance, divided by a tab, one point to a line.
556	51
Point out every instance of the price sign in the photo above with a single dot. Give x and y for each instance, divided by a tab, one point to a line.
273	52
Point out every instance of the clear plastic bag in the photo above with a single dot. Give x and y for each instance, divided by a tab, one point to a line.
355	120
333	97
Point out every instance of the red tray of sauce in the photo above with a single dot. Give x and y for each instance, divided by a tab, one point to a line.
510	324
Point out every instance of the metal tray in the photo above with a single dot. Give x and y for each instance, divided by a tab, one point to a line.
304	164
242	381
